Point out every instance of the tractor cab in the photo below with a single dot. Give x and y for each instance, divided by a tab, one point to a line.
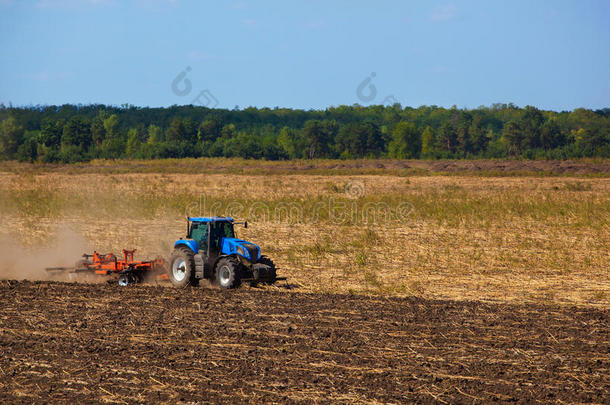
208	233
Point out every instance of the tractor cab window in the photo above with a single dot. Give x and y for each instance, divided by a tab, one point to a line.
220	230
199	232
227	230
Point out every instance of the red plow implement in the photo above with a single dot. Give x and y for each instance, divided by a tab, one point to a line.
125	270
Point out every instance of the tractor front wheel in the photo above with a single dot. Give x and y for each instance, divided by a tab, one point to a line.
227	273
181	270
272	275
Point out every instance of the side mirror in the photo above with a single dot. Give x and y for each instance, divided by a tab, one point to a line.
245	224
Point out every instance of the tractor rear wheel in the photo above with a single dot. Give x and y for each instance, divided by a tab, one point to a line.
181	270
227	273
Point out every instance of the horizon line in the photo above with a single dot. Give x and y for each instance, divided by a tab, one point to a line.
126	106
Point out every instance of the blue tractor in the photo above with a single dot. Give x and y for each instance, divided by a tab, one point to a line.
210	250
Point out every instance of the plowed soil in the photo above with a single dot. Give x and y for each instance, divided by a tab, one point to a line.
328	166
79	343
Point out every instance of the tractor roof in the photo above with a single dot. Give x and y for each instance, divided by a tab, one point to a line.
210	219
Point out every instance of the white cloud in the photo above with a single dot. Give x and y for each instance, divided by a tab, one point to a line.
239	5
315	24
439	69
444	13
250	22
39	76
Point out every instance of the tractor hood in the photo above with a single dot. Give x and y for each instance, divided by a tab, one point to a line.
247	250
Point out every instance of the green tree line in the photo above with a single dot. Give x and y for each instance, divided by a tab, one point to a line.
71	133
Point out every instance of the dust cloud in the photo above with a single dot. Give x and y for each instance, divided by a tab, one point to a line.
20	262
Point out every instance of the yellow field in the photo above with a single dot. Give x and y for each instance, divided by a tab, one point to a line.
517	239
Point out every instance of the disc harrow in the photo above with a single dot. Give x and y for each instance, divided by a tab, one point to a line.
124	270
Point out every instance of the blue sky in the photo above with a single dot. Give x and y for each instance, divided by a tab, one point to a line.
306	54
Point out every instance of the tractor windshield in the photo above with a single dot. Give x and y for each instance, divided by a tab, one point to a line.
220	229
226	229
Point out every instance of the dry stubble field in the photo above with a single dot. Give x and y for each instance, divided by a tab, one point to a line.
528	243
517	239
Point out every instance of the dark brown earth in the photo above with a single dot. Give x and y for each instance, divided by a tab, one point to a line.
79	343
475	167
325	166
556	167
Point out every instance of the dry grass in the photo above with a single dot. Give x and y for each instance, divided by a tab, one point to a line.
517	239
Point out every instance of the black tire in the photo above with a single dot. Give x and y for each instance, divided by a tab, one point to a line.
181	270
227	273
269	262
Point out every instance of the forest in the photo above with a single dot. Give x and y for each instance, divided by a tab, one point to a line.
72	133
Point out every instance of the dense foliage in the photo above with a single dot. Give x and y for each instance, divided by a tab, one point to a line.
70	133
